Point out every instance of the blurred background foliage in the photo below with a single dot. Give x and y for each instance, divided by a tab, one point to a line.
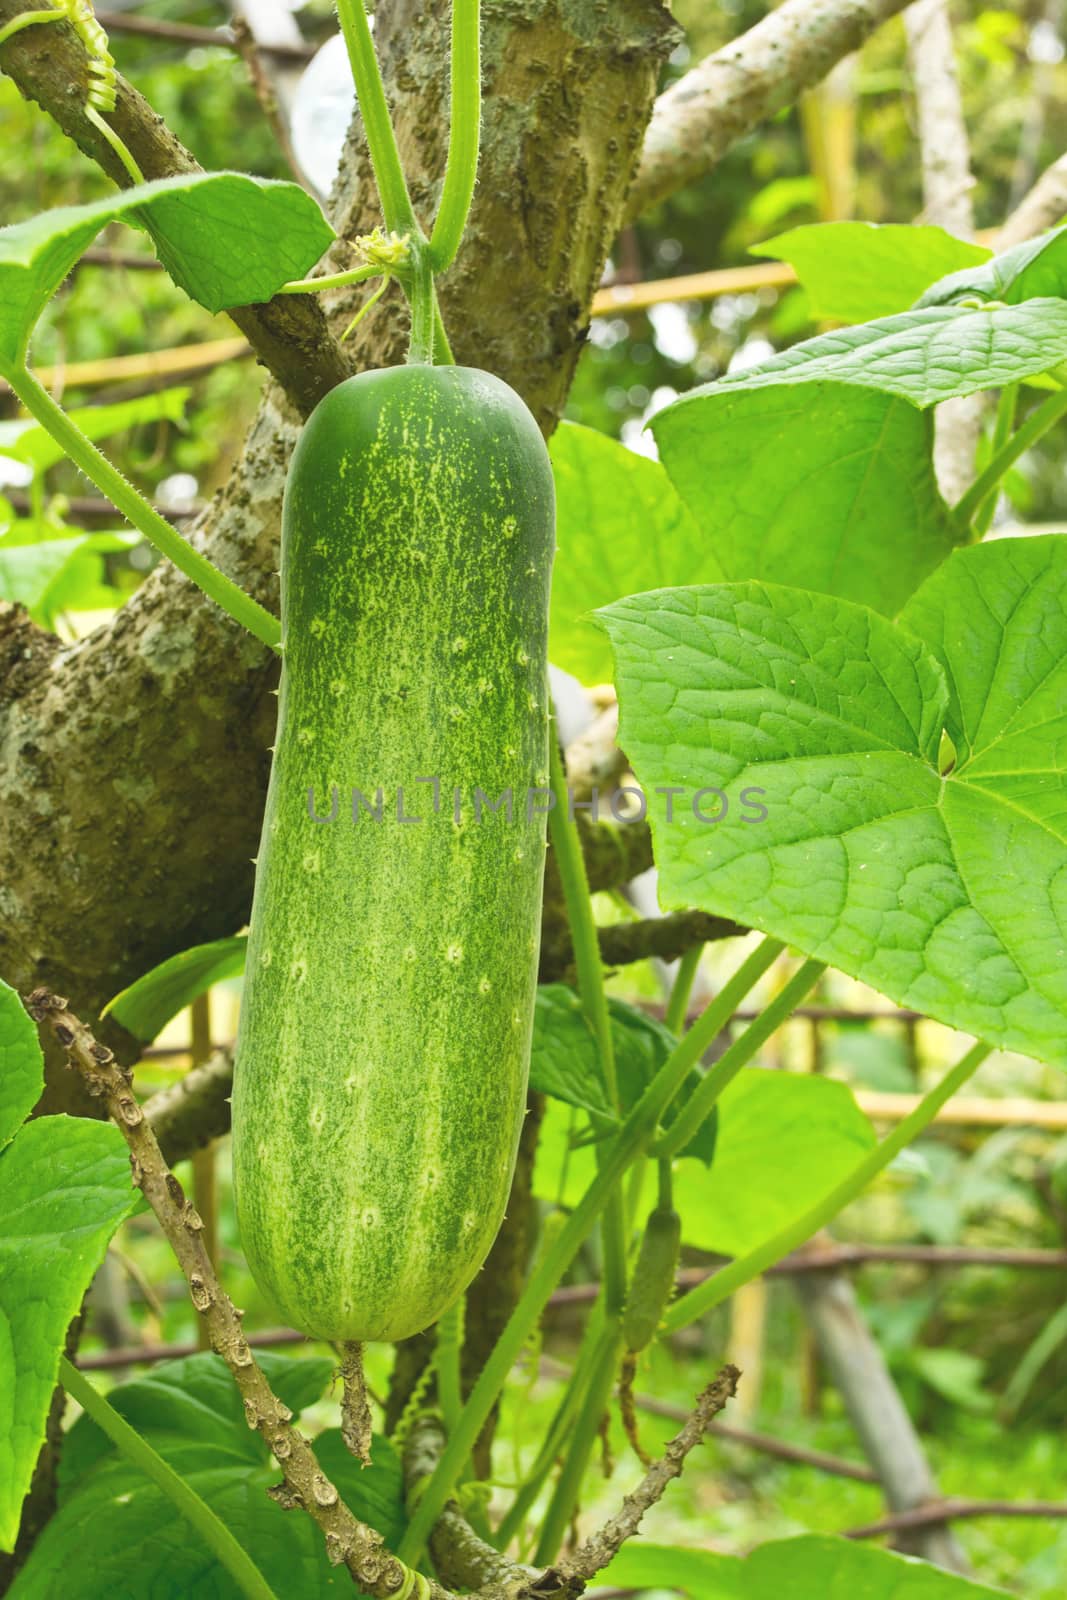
980	1353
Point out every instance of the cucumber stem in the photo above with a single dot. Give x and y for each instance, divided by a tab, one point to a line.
447	1363
1007	405
461	168
692	1116
1040	420
621	1152
586	1433
559	1428
397	209
681	989
717	1289
567	848
144	517
214	1533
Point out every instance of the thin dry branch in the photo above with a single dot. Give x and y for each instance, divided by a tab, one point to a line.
48	63
593	1555
349	1542
729	93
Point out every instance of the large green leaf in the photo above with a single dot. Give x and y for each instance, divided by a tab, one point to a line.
924	356
227	239
21	1064
64	1189
853	271
1028	270
149	1003
826	487
115	1534
769	1123
619	526
813	1567
946	891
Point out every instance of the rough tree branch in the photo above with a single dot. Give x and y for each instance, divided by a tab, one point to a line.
729	93
289	334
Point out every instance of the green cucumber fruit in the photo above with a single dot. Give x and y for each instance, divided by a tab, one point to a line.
384	1041
652	1283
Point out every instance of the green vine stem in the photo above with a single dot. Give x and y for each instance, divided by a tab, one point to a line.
332	280
104	128
381	140
681	989
27	19
597	1400
560	1426
1007	406
631	1140
447	1362
719	1288
461	168
697	1108
216	1536
98	469
1040	420
423	301
570	863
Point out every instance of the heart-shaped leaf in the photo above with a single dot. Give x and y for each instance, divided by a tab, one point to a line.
64	1189
946	890
227	239
854	271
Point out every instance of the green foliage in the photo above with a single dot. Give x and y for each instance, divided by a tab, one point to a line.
565	1064
810	1568
115	1525
1035	268
768	1123
828	487
21	1064
64	1189
856	271
149	1003
620	526
872	857
225	238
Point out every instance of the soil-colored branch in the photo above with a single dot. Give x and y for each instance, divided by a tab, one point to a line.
305	1485
731	92
289	334
955	1510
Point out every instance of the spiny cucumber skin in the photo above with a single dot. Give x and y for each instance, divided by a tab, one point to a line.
384	1042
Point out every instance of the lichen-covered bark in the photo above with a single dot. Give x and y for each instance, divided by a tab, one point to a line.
133	765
